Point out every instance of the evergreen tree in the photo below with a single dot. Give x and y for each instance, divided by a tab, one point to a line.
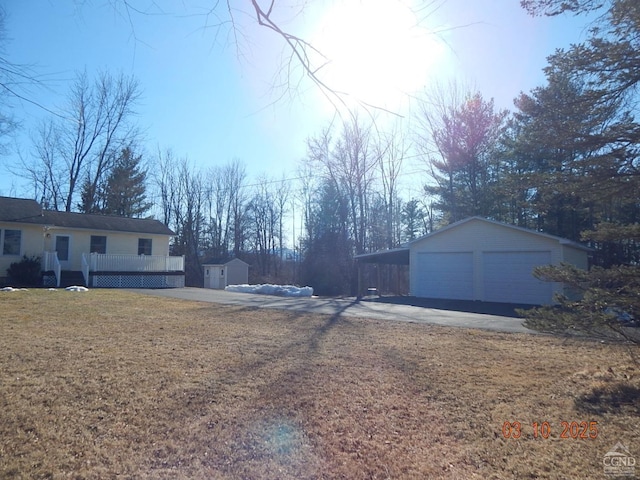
604	177
91	197
413	219
554	158
125	192
460	153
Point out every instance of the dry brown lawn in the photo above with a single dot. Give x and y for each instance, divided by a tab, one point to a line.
108	384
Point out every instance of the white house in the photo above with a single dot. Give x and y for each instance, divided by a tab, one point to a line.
485	260
220	274
96	250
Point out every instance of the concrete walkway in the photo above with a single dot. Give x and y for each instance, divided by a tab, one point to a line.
367	308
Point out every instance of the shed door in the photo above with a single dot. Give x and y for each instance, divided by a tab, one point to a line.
214	277
508	277
444	275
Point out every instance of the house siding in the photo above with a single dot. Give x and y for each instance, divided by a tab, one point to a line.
31	243
117	243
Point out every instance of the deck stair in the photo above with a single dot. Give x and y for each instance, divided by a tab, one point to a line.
71	277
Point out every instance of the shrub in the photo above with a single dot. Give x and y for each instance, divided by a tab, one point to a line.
26	273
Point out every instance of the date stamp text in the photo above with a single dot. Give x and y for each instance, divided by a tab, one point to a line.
585	430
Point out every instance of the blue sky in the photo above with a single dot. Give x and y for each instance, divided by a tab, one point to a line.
210	100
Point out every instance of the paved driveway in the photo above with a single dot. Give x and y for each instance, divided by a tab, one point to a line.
349	307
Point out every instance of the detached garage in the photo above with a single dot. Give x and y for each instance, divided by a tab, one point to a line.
480	259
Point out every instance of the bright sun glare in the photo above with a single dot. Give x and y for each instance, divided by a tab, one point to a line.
376	50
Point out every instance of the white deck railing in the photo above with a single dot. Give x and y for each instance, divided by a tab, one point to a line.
50	262
109	262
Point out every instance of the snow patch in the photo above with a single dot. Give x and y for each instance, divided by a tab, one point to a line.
11	289
268	289
76	288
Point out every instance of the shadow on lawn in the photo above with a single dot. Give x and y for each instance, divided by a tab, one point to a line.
325	328
615	398
487	308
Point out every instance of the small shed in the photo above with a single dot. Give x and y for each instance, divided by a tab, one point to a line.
220	274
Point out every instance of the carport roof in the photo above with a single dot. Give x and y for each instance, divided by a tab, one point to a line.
396	256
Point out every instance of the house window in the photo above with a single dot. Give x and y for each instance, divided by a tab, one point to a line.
222	272
144	246
11	242
98	244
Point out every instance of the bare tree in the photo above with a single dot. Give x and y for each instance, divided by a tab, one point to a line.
182	198
44	175
164	179
85	143
235	177
306	194
218	201
224	194
352	168
282	196
391	148
262	217
13	79
350	164
267	209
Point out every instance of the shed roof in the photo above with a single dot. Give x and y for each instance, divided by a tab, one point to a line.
215	262
21	210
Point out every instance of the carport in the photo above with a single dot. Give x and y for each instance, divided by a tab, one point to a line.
398	257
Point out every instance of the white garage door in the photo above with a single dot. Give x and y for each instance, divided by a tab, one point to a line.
444	275
508	277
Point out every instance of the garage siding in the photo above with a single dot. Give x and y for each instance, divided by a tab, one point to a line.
575	257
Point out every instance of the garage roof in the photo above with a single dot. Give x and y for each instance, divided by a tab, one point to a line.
562	241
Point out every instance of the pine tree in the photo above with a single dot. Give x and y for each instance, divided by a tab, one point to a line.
91	199
554	156
605	175
413	219
125	192
463	135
